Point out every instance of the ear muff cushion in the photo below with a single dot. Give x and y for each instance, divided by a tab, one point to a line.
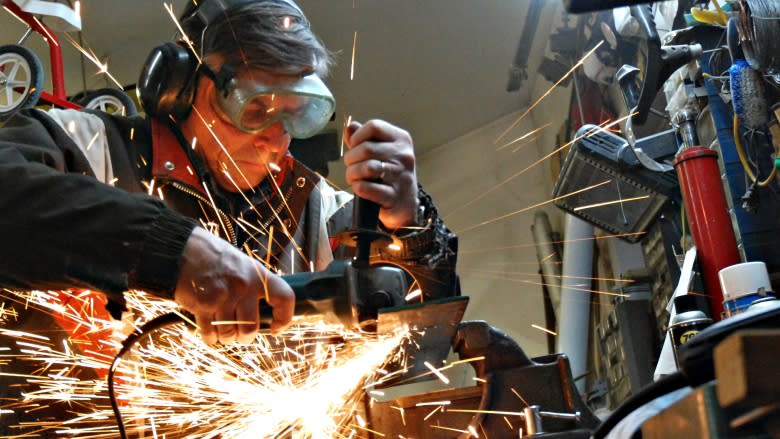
166	85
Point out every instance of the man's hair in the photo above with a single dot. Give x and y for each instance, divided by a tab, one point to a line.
270	35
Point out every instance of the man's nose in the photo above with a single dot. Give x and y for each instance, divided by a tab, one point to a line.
274	138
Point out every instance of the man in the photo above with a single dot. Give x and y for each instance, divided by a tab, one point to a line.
213	152
200	201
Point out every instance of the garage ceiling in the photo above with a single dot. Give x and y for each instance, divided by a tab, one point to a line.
439	68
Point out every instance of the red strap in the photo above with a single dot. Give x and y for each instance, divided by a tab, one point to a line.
166	150
285	164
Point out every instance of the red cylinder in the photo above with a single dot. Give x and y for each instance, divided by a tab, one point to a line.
709	219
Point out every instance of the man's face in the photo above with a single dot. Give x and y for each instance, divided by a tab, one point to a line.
238	159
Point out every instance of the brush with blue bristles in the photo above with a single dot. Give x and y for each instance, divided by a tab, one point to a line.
748	95
747	86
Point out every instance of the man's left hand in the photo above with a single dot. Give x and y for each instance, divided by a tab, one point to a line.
381	168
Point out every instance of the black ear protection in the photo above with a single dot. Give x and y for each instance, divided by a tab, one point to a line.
167	82
169	75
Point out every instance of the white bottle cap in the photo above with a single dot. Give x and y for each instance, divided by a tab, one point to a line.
744	279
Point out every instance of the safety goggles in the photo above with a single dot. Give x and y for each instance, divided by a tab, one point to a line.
304	106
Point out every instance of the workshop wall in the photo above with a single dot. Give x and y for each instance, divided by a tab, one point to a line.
480	195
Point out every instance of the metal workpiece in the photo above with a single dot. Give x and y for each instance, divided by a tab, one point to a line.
508	384
432	325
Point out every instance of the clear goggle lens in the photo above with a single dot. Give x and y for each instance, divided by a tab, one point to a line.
304	106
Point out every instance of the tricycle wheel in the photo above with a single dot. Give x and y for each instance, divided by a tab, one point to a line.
110	100
21	79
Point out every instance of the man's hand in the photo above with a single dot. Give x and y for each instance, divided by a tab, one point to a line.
381	168
221	287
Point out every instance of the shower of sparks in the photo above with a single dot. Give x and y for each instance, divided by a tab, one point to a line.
169	8
544	329
346	124
92	141
534	164
534	206
102	67
354	50
49	37
509	424
525	136
413	295
216	211
221	145
608	203
263	230
520	397
306	382
527	141
550	90
439	403
436	372
432	412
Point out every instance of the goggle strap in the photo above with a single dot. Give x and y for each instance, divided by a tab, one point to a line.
221	79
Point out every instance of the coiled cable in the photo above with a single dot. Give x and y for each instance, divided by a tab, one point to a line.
760	32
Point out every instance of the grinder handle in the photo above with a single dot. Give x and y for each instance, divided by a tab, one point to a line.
319	292
365	217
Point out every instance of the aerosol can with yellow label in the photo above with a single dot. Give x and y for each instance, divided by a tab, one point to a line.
688	321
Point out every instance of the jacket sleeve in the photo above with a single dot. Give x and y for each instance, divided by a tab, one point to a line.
62	228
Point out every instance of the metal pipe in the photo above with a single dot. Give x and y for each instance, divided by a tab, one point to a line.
574	321
548	257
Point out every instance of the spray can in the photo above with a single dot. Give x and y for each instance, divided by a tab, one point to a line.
686	323
743	284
